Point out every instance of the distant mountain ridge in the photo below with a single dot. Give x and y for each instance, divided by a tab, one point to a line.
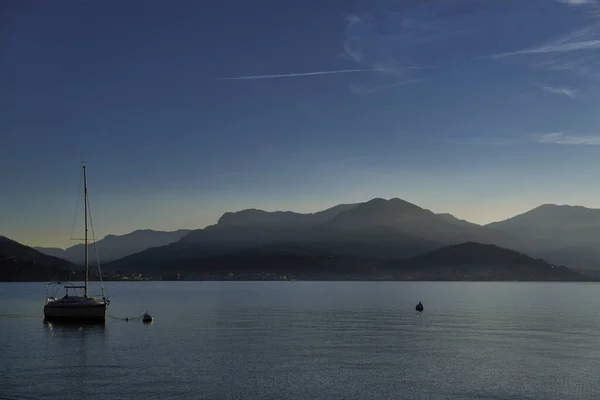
376	229
281	218
476	261
333	229
466	261
23	263
113	247
451	218
565	234
411	219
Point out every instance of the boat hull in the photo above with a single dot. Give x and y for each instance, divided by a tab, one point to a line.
96	312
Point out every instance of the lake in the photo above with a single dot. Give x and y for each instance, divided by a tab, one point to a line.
309	340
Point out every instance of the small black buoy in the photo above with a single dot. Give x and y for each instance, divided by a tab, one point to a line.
419	307
146	317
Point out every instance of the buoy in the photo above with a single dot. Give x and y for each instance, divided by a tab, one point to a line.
419	307
146	317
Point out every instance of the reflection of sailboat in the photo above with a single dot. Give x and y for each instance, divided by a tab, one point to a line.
76	305
73	325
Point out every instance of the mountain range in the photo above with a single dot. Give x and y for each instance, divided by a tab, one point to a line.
465	261
113	247
23	263
564	234
372	232
386	229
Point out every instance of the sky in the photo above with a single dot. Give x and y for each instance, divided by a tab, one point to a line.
183	110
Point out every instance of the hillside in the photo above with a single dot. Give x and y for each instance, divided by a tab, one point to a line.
452	219
23	263
280	219
257	226
476	261
410	219
276	262
113	247
564	234
468	261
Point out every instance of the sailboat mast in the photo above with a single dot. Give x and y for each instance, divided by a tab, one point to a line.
85	202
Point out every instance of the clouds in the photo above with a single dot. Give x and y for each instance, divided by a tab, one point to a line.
555	48
299	74
388	37
563	138
410	41
570	45
577	2
563	91
450	34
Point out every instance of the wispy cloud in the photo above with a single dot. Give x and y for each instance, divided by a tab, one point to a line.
553	138
563	138
554	48
573	52
565	91
396	37
478	141
403	34
577	2
402	39
588	66
358	89
385	38
299	74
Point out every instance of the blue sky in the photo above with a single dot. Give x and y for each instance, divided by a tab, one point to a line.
184	110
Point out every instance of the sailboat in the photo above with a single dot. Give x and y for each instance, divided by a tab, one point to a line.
76	305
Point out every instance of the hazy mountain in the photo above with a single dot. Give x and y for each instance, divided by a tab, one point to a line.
562	234
468	261
282	219
552	222
410	219
23	263
259	226
274	262
113	247
377	228
379	243
553	216
382	229
452	219
249	229
53	251
476	261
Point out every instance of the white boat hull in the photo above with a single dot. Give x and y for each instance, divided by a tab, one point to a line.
76	310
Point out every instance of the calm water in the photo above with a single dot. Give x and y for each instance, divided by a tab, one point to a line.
309	340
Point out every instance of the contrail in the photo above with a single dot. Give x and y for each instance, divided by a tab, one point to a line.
553	48
343	71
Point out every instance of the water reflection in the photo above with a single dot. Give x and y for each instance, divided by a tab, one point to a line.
218	340
74	326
